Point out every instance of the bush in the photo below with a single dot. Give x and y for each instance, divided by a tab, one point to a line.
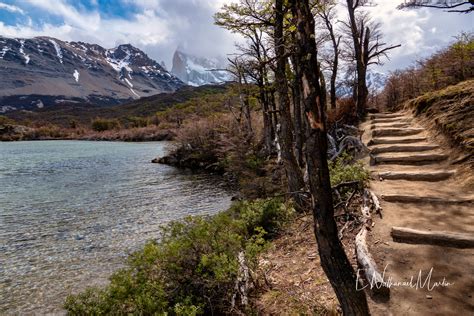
100	124
343	169
193	270
137	121
5	120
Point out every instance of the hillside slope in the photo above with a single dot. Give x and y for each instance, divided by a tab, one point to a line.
451	112
83	113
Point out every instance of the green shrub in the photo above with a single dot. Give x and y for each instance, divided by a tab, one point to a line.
193	269
137	121
100	124
344	170
5	120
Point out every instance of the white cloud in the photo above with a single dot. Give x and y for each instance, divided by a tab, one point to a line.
159	26
84	20
11	8
421	32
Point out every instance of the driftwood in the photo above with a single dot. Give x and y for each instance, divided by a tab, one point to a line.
350	142
438	238
343	138
376	203
378	288
242	283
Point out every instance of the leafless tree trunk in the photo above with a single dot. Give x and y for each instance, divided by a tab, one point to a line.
297	112
293	172
333	258
327	14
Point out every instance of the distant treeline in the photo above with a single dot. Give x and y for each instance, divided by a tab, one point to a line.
447	67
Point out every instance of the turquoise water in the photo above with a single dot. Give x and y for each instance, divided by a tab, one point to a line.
71	212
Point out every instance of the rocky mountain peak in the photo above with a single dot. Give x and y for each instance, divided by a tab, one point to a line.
53	71
197	71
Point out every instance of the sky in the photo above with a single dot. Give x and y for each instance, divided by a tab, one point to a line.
158	27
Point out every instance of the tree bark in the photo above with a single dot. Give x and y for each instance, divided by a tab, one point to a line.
333	258
293	172
297	111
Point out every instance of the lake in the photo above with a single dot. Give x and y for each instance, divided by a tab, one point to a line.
72	211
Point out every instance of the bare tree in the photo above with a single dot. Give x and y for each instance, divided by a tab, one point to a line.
326	11
239	69
333	258
368	49
252	19
449	6
293	172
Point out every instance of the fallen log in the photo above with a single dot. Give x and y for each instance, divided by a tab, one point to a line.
375	283
437	238
376	203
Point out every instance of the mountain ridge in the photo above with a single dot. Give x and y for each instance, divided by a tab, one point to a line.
198	71
44	71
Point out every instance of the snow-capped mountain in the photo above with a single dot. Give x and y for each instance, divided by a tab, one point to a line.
198	71
375	82
44	71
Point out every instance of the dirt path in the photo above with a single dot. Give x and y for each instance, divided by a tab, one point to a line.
419	189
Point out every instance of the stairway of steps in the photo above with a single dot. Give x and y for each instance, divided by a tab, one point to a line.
428	218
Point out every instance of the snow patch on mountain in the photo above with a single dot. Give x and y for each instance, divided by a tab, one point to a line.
22	51
5	49
76	75
118	64
59	52
129	83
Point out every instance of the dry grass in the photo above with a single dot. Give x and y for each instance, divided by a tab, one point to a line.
450	111
295	281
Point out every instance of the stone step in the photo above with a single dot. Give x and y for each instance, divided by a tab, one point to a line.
414	159
401	148
437	238
390	120
402	198
396	132
415	176
388	141
386	115
391	125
